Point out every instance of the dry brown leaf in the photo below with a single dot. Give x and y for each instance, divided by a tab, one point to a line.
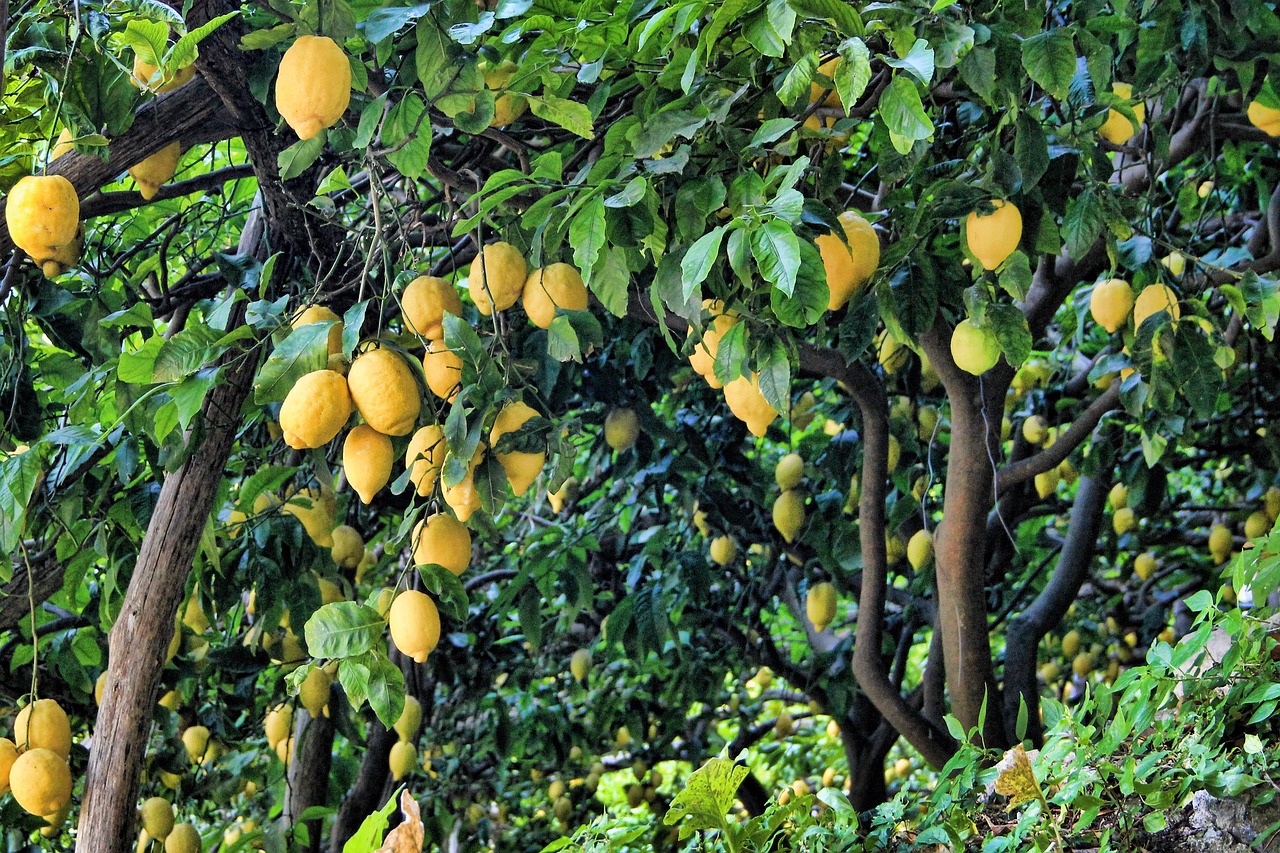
408	836
1017	781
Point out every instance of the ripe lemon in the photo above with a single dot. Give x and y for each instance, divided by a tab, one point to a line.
193	615
43	725
40	781
1175	263
315	409
318	519
425	301
424	457
1111	304
1082	664
314	692
1071	644
403	759
552	287
384	391
415	624
196	741
848	267
1145	565
497	277
366	461
508	106
410	718
144	77
443	370
1046	482
1257	524
703	357
891	354
567	492
183	839
1118	129
789	471
974	349
156	171
318	313
784	725
313	87
894	454
278	724
443	540
1266	119
563	809
347	549
1123	521
723	550
1153	299
521	468
1035	430
621	429
788	514
1118	497
157	817
65	144
8	755
1221	543
463	498
580	665
818	92
920	549
43	216
994	238
820	605
1271	503
749	405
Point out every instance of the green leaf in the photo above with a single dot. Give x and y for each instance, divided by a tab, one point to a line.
149	39
853	75
447	590
407	132
610	281
478	368
1262	302
918	62
1083	222
796	81
808	302
193	348
19	475
185	51
1015	275
769	29
904	115
587	233
777	253
731	354
530	614
1050	60
136	367
343	629
707	796
1010	326
383	23
775	374
846	18
386	689
696	264
661	129
1197	375
299	156
369	835
572	116
304	350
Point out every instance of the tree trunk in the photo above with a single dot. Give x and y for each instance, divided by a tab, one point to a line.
141	634
368	793
309	772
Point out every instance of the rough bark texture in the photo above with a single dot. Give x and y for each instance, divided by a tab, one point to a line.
368	793
309	771
15	603
1029	627
142	631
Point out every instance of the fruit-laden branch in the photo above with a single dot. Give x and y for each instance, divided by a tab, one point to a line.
868	662
1081	428
1025	631
15	601
107	204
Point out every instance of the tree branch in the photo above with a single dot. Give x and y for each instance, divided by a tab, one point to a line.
1020	472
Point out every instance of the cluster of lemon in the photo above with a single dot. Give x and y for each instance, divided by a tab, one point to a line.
158	824
404	756
33	766
1259	523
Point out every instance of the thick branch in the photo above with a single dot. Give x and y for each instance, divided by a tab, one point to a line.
1080	429
106	204
15	603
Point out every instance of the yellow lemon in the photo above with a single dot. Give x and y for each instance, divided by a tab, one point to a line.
749	405
319	313
1118	129
1257	524
723	550
278	724
415	624
497	277
347	550
1035	430
1111	303
521	468
1082	664
43	216
891	354
848	267
1145	565
424	457
443	370
1046	482
1071	644
443	540
789	471
144	77
1175	263
315	409
974	349
580	665
994	237
318	519
920	549
314	692
1123	521
567	492
196	741
820	605
788	514
313	87
8	755
183	839
703	357
552	287
157	817
1221	543
1153	299
425	302
193	615
403	759
1271	503
384	391
410	718
1118	497
818	92
463	497
366	461
156	171
621	429
1266	119
43	725
508	106
40	781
